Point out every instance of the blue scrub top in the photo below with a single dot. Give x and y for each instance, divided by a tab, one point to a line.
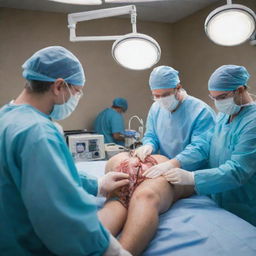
174	134
46	207
109	121
230	178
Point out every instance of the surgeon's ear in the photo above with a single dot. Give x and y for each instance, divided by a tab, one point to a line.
179	86
241	89
57	87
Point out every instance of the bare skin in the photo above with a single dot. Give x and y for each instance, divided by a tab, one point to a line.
151	198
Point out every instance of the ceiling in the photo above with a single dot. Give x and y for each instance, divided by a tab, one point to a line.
160	11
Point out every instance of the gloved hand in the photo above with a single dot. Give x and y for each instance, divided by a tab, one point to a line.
143	151
115	248
180	177
158	170
111	181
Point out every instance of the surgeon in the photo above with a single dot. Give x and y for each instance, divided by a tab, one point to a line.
175	122
46	207
110	122
230	177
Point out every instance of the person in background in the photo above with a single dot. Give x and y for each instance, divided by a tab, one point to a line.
175	123
46	207
230	176
110	122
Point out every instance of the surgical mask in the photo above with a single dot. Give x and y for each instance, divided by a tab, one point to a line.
169	103
64	110
227	106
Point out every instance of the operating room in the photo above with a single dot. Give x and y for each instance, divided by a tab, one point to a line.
196	225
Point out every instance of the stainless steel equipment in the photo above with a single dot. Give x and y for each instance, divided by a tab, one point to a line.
132	137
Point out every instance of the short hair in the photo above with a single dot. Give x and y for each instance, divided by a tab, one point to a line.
114	106
40	87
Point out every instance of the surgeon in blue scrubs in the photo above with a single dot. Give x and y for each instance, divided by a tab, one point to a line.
110	122
230	176
175	122
46	208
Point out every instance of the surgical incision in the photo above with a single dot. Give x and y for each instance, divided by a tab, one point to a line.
135	168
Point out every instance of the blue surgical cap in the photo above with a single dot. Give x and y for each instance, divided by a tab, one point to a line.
163	77
54	62
120	102
228	78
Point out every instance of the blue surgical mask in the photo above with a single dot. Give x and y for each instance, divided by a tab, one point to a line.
227	106
169	103
62	111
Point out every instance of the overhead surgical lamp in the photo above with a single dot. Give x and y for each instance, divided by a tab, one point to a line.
98	2
81	2
130	1
230	24
133	51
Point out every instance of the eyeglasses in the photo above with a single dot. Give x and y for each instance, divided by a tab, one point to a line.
156	97
77	92
222	96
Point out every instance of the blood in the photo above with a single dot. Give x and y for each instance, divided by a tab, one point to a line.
135	168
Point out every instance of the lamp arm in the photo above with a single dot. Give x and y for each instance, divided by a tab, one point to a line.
73	18
229	1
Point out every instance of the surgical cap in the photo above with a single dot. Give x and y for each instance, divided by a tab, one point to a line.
120	102
228	78
163	77
54	62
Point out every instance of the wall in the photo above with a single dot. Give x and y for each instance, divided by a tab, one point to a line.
24	32
196	57
184	45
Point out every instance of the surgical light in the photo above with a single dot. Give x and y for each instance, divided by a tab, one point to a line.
81	2
130	1
231	24
136	51
133	51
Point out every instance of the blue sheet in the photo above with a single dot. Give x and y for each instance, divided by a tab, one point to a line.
194	226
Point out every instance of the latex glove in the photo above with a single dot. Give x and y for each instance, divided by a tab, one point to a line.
180	177
115	248
158	170
143	151
111	181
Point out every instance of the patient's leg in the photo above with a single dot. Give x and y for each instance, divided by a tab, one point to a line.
113	216
149	199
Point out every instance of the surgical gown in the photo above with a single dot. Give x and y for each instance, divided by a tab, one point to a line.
46	208
230	178
174	134
108	122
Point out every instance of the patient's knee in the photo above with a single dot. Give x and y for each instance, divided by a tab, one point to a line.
146	195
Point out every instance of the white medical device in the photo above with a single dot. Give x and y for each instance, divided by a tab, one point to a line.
112	149
86	146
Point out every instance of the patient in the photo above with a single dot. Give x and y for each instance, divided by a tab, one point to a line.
135	208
